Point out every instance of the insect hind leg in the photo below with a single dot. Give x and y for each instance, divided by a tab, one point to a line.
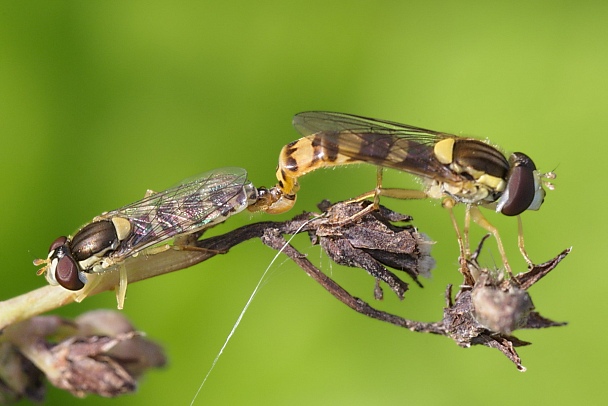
395	193
403	194
375	194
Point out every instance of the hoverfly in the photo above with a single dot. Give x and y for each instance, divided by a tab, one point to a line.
455	169
104	243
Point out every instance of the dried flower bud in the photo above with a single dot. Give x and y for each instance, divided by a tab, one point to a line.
372	242
500	307
99	353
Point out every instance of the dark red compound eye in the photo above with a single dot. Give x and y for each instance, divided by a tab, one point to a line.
521	187
66	273
57	243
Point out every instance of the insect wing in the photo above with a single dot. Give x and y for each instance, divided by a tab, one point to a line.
186	208
383	143
312	122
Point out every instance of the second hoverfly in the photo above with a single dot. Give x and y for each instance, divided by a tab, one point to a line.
106	242
456	169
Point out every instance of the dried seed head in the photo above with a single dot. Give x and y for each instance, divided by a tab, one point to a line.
500	307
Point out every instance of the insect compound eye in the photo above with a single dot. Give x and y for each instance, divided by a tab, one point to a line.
57	243
67	273
523	190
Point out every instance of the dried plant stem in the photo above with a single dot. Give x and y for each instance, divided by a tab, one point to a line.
485	312
277	242
142	267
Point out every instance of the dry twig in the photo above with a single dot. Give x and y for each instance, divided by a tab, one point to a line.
486	313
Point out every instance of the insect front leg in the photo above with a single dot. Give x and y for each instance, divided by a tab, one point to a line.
92	282
520	242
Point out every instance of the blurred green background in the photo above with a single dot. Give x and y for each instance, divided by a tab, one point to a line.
100	101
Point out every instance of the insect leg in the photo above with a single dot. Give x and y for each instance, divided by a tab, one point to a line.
378	187
480	220
403	194
92	282
520	242
159	248
469	280
121	288
465	231
395	193
375	194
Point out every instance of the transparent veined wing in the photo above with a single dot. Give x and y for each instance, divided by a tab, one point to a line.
383	143
191	206
312	122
